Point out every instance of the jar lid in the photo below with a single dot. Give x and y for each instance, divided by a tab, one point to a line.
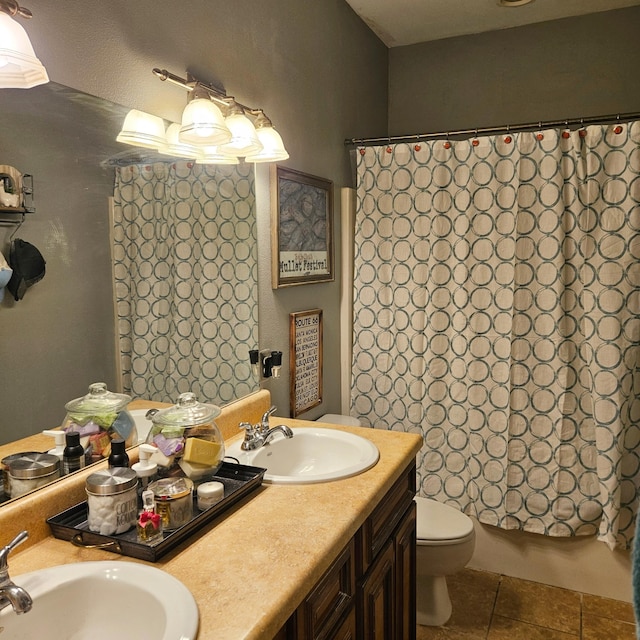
33	465
14	456
187	412
109	481
98	400
171	488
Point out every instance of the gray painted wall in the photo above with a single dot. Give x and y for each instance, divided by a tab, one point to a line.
575	67
317	71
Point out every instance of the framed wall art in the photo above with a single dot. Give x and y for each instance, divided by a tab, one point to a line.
305	360
301	228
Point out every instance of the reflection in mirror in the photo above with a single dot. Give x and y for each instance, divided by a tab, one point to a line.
64	334
185	273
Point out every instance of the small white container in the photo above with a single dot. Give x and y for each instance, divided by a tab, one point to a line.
113	500
209	493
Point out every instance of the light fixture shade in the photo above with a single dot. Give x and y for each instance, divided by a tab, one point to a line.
213	155
19	67
203	124
174	147
273	148
143	130
244	138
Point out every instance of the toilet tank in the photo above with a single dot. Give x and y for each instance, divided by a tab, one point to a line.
334	418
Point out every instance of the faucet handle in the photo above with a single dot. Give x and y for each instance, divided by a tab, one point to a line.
264	423
247	426
4	552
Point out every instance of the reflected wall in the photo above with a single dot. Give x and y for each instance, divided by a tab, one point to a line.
61	336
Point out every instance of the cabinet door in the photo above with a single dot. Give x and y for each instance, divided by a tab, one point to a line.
330	602
378	598
347	631
405	545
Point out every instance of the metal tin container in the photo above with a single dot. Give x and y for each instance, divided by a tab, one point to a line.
4	464
31	471
112	500
174	501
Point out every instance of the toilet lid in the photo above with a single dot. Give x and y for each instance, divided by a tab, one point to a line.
438	521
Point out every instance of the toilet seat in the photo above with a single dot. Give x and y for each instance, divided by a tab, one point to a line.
440	524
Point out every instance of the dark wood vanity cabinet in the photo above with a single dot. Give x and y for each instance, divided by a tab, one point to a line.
369	592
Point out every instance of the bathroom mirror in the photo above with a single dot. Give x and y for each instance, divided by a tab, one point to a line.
61	336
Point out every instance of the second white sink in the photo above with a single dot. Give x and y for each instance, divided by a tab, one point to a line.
314	454
102	601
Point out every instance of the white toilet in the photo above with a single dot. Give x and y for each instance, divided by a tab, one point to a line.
445	543
334	418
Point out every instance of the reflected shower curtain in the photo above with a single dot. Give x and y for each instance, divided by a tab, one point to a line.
186	279
497	313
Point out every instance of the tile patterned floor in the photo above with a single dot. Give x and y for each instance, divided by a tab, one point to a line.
487	606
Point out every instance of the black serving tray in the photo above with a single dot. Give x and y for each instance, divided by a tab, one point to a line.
239	480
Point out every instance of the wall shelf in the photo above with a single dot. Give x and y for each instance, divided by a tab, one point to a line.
10	216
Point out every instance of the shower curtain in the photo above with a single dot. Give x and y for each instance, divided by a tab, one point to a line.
497	313
185	265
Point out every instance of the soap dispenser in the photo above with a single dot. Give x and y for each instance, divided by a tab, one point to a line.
145	469
59	438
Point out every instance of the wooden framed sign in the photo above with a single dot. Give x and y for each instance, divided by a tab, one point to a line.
301	228
305	358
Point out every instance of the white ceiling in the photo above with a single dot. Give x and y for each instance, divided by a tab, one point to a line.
403	22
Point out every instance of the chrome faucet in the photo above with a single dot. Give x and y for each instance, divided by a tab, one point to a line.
258	435
10	593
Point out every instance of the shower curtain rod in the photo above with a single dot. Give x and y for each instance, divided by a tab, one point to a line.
529	126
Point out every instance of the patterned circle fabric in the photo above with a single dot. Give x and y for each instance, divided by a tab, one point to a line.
497	314
185	264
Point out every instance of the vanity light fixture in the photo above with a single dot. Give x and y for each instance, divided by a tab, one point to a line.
174	147
272	146
19	67
202	121
244	139
143	130
214	129
214	155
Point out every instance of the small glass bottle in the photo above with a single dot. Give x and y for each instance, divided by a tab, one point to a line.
149	524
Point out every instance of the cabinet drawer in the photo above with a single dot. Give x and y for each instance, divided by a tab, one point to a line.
331	600
379	526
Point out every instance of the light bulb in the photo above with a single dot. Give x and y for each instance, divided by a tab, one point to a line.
19	66
203	123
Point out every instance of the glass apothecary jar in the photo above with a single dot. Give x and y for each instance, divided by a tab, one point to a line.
187	440
100	417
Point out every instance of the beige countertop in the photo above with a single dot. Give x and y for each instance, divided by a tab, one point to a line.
251	567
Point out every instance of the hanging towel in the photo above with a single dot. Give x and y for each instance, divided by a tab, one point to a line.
5	275
635	576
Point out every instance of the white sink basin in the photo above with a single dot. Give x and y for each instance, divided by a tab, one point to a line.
102	601
313	455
